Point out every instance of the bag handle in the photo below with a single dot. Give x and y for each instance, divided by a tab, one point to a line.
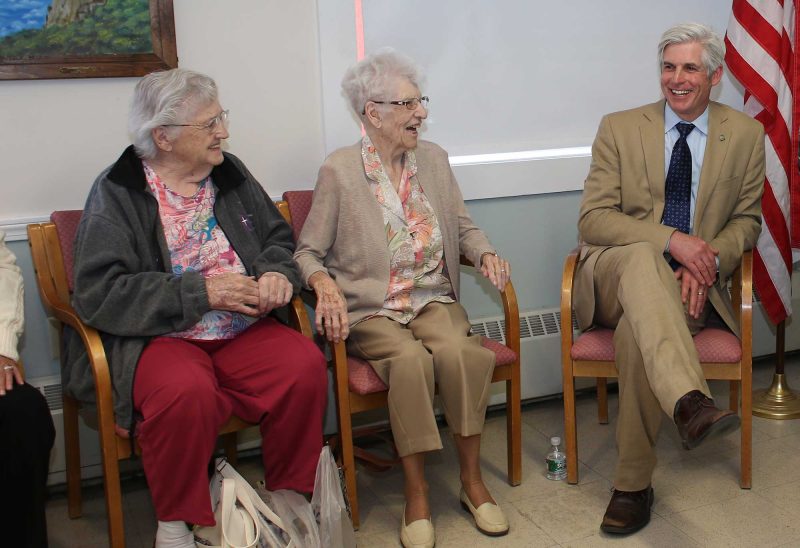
246	492
230	494
258	503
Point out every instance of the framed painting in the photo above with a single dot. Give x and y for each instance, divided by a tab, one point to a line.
85	38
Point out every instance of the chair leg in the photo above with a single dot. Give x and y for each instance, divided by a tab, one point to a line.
602	400
229	443
113	491
349	461
570	430
72	453
514	427
733	399
747	432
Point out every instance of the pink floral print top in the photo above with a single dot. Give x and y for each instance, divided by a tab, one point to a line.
416	265
197	244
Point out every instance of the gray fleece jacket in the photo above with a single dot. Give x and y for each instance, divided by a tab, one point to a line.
124	285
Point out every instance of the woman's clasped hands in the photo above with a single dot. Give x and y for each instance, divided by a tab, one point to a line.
239	293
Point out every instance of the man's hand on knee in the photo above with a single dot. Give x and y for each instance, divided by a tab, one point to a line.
692	291
696	255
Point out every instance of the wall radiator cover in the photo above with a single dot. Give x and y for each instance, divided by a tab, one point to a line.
533	324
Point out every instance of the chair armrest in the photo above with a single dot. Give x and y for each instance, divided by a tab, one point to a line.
508	296
742	299
99	364
298	317
338	357
567	280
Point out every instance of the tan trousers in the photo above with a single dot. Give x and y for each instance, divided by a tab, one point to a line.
636	293
434	346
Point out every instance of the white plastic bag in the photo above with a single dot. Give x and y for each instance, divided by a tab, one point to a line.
296	514
335	527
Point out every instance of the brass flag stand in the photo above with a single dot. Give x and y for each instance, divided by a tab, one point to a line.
778	401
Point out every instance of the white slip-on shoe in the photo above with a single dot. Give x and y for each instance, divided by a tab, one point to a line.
417	533
489	518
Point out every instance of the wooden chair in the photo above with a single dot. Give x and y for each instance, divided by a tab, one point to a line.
52	252
722	355
358	388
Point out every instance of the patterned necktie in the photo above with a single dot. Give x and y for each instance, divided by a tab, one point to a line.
678	187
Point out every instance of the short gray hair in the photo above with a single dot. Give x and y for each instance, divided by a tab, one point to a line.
368	79
161	98
713	46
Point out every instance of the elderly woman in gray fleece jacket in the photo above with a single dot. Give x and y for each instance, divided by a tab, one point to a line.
381	250
180	258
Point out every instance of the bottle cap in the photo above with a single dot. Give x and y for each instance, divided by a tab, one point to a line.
555	440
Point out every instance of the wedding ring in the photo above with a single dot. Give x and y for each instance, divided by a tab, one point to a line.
502	270
700	293
8	367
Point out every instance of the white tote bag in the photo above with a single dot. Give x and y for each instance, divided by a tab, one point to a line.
243	519
237	521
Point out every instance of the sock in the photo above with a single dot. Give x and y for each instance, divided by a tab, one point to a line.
174	534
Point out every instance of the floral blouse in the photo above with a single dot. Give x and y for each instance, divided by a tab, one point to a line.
416	265
197	244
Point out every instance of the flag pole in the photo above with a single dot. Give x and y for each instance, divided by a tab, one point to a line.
778	401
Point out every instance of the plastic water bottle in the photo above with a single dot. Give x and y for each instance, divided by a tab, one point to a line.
556	461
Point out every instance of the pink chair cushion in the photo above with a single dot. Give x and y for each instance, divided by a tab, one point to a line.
718	346
713	346
595	345
363	379
67	226
503	354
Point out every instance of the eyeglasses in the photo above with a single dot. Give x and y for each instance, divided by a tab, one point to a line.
410	104
220	119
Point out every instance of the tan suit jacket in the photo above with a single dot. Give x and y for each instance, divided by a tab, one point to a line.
623	198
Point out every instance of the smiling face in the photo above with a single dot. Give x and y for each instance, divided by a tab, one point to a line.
684	80
394	127
196	149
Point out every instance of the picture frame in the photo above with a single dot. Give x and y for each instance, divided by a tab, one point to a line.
163	56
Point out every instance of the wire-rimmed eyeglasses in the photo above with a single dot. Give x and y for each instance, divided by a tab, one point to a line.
411	103
220	120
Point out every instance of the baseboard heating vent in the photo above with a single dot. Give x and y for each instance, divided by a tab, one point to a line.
532	324
50	387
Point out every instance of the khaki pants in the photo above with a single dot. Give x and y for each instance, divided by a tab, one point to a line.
636	293
434	346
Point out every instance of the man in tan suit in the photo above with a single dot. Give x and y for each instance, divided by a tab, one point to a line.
668	209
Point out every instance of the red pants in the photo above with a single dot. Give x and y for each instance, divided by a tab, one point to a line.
186	390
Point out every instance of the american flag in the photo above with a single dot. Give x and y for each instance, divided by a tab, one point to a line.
762	53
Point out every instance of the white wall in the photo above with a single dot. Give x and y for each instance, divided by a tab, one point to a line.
58	134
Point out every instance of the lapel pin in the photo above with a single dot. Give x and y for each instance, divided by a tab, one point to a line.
721	137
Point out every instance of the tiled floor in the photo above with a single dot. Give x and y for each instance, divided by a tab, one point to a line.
698	499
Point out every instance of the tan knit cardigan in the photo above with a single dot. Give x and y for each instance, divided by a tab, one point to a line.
345	236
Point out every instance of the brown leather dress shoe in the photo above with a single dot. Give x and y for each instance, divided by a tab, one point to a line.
697	417
628	511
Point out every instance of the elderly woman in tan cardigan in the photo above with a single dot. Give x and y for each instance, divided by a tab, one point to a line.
381	250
